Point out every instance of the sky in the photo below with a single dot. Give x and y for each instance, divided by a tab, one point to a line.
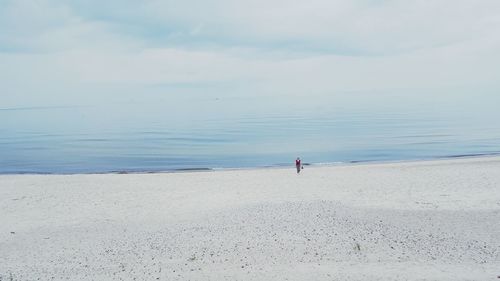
63	53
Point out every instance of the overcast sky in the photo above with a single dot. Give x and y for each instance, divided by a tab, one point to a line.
72	52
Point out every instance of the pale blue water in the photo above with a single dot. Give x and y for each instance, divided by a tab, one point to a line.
159	133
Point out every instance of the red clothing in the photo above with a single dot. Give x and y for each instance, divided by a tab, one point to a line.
297	162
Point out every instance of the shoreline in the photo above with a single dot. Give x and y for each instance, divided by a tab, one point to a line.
423	220
276	166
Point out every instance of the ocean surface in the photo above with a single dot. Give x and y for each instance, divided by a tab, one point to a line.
162	132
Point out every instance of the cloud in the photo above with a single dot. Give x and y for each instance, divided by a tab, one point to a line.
334	27
42	27
321	26
250	47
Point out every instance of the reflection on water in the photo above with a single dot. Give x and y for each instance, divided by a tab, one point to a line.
218	133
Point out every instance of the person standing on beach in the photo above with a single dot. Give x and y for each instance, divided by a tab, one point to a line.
298	165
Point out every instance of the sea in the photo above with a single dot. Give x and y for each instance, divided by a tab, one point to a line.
160	131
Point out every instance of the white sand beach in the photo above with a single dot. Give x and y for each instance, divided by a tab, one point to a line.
428	220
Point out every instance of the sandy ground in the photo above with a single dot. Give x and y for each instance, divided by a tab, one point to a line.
430	220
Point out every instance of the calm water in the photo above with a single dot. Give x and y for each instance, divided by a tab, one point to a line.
159	132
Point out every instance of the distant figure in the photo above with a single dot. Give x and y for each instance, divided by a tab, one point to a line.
298	165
